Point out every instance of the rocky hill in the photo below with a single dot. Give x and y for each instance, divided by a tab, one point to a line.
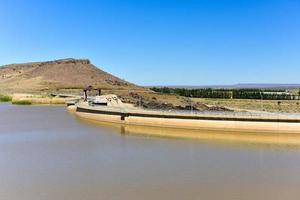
57	74
72	75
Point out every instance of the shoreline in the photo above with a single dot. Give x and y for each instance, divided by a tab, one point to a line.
32	99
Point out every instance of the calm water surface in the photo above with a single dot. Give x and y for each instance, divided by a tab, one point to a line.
46	153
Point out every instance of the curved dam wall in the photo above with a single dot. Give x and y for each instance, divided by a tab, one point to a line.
156	119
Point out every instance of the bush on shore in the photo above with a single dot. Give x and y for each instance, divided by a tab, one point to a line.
37	99
5	98
22	102
58	100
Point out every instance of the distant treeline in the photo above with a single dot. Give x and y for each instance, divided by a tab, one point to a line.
268	94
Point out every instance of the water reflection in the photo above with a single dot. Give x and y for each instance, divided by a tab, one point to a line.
276	139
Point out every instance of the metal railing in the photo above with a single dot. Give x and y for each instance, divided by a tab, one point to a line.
246	114
218	114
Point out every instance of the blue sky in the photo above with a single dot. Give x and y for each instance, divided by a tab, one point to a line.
166	42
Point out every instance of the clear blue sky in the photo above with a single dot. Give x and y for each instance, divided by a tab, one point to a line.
166	42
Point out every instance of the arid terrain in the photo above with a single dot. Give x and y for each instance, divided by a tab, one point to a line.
57	74
292	106
71	76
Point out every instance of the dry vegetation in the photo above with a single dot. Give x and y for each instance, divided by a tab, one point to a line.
247	104
26	99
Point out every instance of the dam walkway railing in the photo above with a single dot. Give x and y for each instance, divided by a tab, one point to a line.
255	116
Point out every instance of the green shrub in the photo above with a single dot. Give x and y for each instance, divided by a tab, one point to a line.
22	102
5	98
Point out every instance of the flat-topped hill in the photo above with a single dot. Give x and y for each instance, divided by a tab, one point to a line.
58	74
72	75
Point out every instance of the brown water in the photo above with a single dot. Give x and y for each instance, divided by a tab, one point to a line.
46	153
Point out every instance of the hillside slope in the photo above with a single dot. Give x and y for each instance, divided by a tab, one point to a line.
72	75
57	74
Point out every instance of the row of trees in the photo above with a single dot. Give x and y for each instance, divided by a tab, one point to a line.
261	94
274	94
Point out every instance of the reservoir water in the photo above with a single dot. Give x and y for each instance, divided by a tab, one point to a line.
47	153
